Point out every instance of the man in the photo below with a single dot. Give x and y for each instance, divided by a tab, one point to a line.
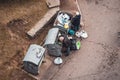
66	44
75	22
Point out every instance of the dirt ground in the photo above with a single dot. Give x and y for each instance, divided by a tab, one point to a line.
17	17
99	56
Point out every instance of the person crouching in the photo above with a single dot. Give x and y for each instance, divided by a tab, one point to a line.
66	43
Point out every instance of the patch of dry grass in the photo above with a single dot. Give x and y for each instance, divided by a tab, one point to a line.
13	44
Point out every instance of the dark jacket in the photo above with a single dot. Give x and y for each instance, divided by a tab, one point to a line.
75	22
66	44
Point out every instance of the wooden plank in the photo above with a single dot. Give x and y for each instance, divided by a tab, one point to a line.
30	75
53	3
46	18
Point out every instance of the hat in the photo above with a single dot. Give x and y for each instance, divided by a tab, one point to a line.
77	13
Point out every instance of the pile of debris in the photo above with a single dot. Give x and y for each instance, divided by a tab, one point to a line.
63	38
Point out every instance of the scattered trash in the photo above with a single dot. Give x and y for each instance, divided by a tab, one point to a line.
54	50
82	34
66	26
62	18
71	32
58	61
78	44
74	44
